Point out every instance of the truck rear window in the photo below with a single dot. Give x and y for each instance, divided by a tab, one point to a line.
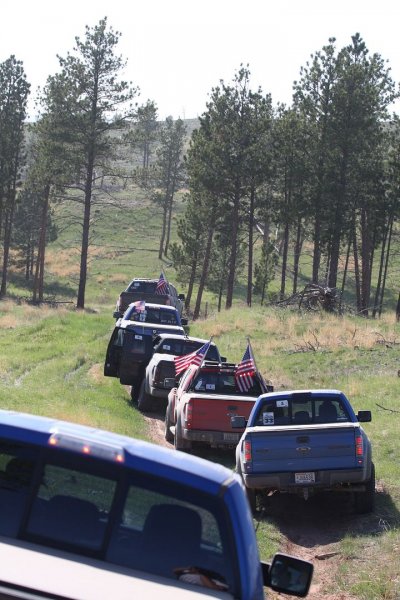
92	507
153	315
145	287
301	411
212	382
182	347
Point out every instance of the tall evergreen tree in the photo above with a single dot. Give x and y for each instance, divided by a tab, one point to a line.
88	101
168	175
14	92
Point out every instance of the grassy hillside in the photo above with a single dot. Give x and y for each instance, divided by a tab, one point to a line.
51	363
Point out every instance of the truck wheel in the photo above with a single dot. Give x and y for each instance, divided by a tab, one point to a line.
168	434
145	402
365	501
179	442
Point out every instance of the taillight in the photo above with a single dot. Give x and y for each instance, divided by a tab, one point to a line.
359	449
189	414
247	451
157	372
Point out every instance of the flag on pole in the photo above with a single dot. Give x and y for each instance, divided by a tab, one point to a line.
245	370
194	358
162	285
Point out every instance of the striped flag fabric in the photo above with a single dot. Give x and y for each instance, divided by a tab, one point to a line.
162	285
194	358
245	371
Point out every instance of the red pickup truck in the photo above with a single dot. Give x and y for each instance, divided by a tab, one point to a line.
199	410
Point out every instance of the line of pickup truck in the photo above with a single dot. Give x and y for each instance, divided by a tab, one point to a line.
301	441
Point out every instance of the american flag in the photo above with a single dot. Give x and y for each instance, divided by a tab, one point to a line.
162	285
194	358
245	371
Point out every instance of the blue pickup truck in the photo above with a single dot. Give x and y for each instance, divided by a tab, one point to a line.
88	514
303	442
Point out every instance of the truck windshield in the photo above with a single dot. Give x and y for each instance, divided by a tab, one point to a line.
302	410
109	511
212	382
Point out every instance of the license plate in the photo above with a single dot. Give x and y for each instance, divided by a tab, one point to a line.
231	437
304	477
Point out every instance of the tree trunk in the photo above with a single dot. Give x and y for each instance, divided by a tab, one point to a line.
250	262
381	266
356	269
233	247
365	263
346	266
38	283
6	250
85	233
386	266
163	231
191	280
204	273
297	253
285	251
317	249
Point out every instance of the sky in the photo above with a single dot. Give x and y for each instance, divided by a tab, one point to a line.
178	50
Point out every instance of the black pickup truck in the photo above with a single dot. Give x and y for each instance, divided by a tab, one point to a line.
131	344
145	289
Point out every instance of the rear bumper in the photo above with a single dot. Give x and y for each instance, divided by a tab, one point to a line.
213	438
343	479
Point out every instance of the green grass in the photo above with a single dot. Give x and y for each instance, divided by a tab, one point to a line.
51	363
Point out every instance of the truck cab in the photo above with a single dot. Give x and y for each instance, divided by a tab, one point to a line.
86	513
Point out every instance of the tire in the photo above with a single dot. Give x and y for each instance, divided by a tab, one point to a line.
145	401
135	388
364	502
169	436
179	442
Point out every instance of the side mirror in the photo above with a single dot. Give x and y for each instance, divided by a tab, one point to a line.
238	422
117	314
184	321
181	296
223	359
364	416
288	575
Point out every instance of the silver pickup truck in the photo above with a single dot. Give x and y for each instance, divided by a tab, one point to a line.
159	377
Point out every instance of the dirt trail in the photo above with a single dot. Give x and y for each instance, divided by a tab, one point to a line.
311	530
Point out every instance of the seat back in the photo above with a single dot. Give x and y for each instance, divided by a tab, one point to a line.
73	520
171	539
301	416
327	412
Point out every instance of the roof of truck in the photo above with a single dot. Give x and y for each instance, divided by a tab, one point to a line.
135	453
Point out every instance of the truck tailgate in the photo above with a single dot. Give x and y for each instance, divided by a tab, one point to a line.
303	448
214	412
